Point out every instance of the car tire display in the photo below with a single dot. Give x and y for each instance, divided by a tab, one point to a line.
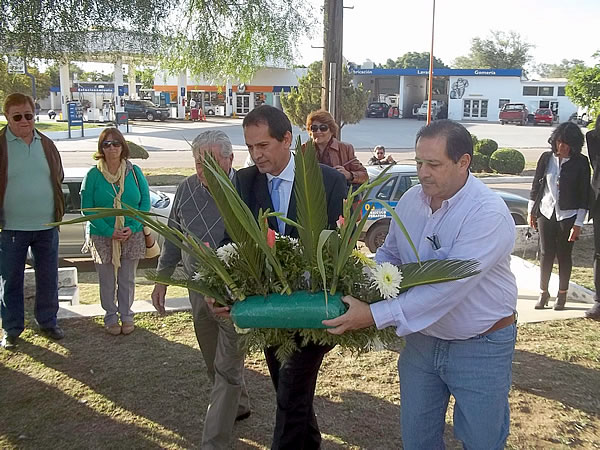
376	235
150	117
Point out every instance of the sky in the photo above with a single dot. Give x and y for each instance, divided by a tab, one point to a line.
382	29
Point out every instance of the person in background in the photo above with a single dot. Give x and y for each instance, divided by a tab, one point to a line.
559	200
116	243
593	146
194	212
379	159
31	196
460	335
38	108
323	131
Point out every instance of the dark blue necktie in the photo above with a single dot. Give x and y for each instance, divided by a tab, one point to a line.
276	199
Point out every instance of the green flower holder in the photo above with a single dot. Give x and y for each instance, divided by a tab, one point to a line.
301	309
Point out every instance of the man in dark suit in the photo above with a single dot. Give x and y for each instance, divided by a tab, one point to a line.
593	146
270	184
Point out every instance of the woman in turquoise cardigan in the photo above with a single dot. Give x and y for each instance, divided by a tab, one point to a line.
116	243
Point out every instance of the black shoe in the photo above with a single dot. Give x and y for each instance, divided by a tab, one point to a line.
561	299
9	342
243	416
543	300
593	312
54	332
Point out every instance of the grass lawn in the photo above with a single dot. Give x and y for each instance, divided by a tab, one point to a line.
150	390
56	126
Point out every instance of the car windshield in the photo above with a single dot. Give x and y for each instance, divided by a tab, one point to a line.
148	104
544	111
375	105
513	107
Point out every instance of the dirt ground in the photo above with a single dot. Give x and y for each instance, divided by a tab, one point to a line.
150	390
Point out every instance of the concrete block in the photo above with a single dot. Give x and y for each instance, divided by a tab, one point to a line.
69	295
67	277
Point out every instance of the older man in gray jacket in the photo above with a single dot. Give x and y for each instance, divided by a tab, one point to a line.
194	211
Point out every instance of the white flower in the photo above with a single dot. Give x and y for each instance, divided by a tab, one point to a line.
226	253
386	278
239	330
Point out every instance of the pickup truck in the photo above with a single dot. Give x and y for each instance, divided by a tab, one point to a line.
513	112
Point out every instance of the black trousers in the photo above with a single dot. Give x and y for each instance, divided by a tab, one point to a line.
295	381
554	243
596	219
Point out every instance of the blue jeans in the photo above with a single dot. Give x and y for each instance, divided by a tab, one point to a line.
13	253
476	371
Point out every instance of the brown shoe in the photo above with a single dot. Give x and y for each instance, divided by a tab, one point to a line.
127	328
543	300
593	312
114	329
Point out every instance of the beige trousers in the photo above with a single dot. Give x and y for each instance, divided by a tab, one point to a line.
225	365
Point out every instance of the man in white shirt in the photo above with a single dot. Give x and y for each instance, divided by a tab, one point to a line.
460	335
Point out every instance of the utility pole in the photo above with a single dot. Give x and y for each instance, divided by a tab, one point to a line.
331	83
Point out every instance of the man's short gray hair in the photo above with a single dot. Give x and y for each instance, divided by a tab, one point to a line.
207	139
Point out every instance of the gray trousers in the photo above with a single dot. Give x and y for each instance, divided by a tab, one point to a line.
125	290
225	365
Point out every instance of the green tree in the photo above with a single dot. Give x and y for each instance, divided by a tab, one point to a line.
558	70
583	87
500	51
10	83
299	103
146	77
414	60
222	38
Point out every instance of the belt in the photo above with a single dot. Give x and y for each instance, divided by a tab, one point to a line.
502	323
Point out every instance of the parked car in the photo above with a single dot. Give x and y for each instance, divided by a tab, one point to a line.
402	178
543	115
145	109
377	109
72	237
513	112
438	110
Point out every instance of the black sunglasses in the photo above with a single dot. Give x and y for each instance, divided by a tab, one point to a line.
323	127
18	117
107	144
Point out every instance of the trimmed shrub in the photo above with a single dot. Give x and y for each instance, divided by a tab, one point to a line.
487	146
475	141
507	160
480	162
136	151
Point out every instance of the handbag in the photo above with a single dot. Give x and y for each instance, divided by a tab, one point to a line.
152	247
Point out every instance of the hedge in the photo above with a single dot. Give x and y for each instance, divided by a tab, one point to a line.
480	162
487	146
136	151
507	160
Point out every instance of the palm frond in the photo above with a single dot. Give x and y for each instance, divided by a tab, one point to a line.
311	202
193	285
436	271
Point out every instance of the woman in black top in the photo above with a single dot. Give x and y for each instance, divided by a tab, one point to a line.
558	204
593	145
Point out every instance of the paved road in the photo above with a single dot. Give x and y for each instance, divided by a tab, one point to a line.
168	141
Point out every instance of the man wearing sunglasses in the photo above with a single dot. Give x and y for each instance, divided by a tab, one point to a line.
31	196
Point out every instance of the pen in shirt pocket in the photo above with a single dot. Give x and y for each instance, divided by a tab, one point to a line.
435	241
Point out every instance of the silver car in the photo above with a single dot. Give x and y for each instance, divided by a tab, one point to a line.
402	178
72	237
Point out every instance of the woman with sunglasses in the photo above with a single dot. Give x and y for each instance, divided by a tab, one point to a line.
116	243
323	131
558	204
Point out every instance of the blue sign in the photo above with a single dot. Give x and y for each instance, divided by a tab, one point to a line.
75	114
121	90
375	209
442	72
182	91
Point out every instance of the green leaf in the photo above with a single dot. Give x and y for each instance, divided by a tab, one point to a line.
436	271
323	237
311	202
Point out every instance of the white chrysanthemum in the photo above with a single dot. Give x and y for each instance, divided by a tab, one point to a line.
239	330
386	278
226	253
